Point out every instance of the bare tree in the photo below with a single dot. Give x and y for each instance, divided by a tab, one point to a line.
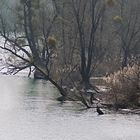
88	16
128	29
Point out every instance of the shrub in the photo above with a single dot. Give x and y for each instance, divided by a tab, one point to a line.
125	87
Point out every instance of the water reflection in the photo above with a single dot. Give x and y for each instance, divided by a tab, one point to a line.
29	111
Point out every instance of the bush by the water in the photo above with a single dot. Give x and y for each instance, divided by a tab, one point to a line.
125	87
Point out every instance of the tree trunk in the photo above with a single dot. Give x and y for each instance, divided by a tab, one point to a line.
86	81
125	59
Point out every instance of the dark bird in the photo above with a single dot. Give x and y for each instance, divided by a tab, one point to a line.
99	111
61	99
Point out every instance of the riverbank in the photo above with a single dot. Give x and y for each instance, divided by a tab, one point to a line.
105	99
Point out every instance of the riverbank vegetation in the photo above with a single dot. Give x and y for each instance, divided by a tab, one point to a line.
125	87
69	42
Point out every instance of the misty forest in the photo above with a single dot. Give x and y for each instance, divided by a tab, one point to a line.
69	69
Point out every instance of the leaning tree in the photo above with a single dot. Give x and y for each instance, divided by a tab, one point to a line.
29	40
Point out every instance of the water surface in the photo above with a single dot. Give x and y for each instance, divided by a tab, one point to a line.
29	111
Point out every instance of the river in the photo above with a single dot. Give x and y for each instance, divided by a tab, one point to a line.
29	111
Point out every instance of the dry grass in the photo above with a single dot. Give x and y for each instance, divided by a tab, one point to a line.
125	87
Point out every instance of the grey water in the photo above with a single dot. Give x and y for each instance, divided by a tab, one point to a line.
29	111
